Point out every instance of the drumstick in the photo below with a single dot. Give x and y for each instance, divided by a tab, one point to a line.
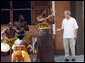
53	11
16	24
54	25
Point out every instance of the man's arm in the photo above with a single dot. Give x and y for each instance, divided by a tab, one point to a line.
43	19
2	33
52	20
28	47
59	29
76	30
26	26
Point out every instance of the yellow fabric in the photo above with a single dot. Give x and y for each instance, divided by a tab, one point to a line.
10	42
26	37
17	56
26	56
20	54
42	25
19	47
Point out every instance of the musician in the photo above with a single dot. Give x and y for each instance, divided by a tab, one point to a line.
20	41
43	22
43	19
10	32
21	23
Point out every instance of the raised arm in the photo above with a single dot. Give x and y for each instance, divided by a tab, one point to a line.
52	20
59	29
2	33
43	19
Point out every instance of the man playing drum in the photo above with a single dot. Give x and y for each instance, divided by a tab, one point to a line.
10	37
10	32
21	24
44	20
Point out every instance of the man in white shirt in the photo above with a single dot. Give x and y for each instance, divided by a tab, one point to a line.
69	25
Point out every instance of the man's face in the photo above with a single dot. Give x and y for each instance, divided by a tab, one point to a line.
21	18
44	12
11	26
66	15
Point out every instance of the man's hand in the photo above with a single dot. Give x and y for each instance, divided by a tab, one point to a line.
49	16
58	30
75	37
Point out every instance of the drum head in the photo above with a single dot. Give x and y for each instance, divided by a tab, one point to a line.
5	47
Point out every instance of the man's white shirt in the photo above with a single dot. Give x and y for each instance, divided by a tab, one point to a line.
69	26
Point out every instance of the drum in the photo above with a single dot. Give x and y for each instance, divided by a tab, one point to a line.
45	45
5	49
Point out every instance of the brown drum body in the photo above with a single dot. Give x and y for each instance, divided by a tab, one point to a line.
45	45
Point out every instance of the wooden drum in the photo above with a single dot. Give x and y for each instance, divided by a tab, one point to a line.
45	45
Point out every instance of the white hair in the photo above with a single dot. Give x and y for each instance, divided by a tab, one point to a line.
68	12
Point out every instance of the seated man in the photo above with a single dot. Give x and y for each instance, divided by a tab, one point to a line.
19	42
10	32
10	35
21	24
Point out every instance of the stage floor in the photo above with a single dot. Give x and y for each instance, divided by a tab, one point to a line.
79	58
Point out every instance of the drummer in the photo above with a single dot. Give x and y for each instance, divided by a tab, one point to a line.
43	19
22	24
10	32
